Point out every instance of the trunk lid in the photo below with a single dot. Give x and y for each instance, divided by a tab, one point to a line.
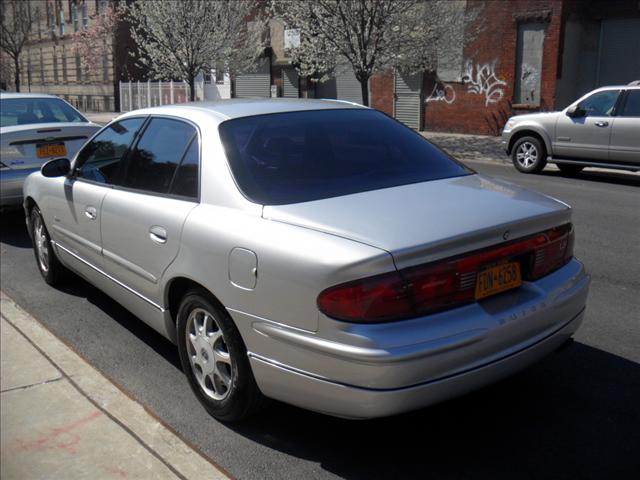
427	221
19	142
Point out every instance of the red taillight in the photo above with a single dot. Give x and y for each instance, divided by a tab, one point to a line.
429	288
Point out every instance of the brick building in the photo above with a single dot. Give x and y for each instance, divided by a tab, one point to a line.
528	56
49	62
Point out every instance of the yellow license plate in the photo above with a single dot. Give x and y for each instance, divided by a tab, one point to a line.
51	150
498	279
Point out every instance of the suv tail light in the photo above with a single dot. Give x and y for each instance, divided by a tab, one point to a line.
424	289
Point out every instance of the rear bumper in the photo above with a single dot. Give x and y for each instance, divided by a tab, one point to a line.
365	371
11	183
347	401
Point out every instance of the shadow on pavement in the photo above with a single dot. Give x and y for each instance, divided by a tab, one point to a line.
574	415
14	232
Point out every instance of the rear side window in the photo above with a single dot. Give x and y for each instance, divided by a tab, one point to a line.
185	181
632	104
302	156
157	155
100	159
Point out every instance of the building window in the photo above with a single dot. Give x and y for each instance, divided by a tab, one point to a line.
41	68
85	15
61	17
105	68
74	17
55	65
64	65
78	68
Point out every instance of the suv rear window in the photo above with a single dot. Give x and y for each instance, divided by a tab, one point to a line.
294	157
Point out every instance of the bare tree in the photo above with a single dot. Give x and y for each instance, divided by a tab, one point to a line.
179	39
368	35
95	42
16	25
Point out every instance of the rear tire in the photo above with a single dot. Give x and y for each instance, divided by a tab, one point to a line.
53	272
214	359
567	169
529	155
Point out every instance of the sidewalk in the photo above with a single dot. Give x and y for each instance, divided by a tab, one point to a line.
63	419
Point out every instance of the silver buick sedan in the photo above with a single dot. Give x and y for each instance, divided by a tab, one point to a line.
314	252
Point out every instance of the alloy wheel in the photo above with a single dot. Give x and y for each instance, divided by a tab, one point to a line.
208	354
527	155
40	239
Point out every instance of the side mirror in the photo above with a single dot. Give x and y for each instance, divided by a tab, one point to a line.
576	112
58	167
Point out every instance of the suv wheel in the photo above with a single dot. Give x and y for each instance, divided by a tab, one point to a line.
49	266
529	155
214	359
569	169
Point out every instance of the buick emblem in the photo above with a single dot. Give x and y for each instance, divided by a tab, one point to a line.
506	234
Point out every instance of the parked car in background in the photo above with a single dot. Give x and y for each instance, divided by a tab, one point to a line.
316	252
34	128
601	129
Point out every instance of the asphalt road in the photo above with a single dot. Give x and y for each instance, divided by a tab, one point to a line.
574	415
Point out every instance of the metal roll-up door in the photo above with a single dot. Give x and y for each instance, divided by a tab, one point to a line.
255	84
347	86
407	100
290	83
619	59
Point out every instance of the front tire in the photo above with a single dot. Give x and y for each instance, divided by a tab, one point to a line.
529	155
48	264
214	359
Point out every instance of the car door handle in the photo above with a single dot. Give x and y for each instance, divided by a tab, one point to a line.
158	234
91	213
601	124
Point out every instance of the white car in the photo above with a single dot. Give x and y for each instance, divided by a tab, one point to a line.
34	128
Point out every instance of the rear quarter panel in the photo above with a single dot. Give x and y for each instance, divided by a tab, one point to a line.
294	264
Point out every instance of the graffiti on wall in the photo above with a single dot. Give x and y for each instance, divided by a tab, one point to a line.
481	79
529	81
442	92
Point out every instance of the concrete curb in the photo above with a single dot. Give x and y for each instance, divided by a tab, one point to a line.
156	438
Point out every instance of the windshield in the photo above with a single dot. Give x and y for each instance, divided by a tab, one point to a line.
297	157
25	111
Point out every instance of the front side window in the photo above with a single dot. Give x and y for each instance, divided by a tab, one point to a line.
632	104
302	156
99	161
24	111
600	104
158	154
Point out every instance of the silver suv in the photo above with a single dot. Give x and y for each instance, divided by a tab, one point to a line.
601	129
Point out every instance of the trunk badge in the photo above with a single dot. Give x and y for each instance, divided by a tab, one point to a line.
506	235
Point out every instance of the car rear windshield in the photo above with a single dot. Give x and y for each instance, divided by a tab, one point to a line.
25	111
294	157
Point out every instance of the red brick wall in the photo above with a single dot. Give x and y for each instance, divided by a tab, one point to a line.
382	92
495	41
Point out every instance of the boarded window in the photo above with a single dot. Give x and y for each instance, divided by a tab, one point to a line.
529	63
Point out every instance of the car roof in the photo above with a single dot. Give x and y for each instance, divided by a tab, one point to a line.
26	95
236	108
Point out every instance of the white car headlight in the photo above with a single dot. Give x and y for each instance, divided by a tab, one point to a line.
510	124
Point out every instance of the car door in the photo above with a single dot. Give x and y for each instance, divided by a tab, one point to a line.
76	208
625	144
587	136
143	215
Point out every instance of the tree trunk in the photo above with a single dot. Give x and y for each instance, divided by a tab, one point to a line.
16	73
192	87
364	86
